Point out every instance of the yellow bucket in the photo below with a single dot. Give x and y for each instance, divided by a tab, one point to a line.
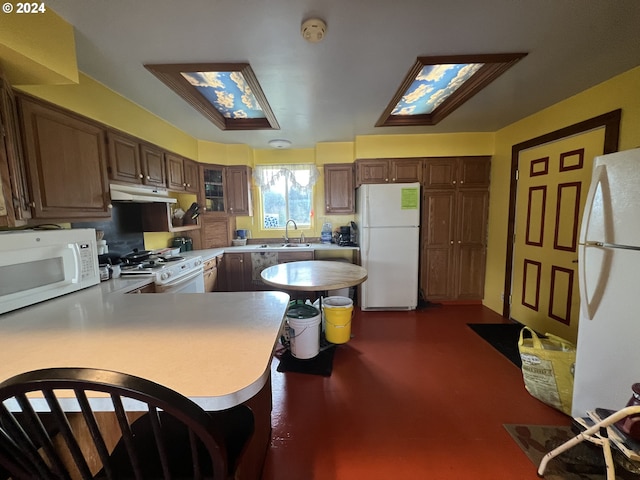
338	312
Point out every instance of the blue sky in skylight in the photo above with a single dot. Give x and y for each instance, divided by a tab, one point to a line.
432	86
228	92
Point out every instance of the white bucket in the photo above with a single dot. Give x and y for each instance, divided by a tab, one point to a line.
304	335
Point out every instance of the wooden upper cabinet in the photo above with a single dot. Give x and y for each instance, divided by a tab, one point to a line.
175	172
152	164
389	170
182	173
67	163
405	170
124	158
372	171
15	204
339	192
191	176
213	189
474	171
238	180
457	172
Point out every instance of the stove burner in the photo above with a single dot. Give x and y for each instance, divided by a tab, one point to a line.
173	258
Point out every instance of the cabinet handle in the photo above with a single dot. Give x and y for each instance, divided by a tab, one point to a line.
32	204
451	242
386	179
188	185
454	182
148	177
461	182
393	179
140	175
459	242
109	206
184	184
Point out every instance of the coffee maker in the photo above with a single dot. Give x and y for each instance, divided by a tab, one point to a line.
344	237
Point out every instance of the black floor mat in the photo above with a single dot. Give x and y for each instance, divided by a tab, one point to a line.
321	364
501	336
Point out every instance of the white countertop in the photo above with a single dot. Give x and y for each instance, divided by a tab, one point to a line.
215	348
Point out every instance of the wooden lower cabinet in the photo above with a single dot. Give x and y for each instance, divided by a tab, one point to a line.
215	231
454	240
210	275
238	271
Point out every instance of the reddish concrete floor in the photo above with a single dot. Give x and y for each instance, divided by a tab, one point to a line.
413	395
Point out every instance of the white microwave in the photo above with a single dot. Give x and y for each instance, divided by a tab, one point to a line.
37	265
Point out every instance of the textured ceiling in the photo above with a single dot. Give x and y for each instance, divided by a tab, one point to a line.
338	88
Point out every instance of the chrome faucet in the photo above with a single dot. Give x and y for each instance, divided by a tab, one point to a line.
286	230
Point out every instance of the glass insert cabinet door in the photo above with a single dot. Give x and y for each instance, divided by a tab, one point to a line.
214	189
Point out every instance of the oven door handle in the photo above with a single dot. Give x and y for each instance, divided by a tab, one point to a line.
183	279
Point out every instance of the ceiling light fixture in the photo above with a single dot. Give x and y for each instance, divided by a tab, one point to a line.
279	143
313	30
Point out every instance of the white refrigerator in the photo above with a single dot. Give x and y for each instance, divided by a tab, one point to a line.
608	348
389	227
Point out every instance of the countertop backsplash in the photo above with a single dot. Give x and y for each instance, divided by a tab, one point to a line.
123	232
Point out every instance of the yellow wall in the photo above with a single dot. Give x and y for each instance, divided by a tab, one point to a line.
37	49
619	92
424	145
92	99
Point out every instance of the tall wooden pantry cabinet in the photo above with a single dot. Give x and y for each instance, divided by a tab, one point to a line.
454	228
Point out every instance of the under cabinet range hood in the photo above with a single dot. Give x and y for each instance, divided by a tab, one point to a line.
138	194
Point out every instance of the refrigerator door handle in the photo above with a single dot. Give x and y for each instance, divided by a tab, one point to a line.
589	302
617	245
599	179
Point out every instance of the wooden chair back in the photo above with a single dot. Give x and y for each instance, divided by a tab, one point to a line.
61	436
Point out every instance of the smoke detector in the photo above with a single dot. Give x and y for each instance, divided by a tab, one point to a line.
313	30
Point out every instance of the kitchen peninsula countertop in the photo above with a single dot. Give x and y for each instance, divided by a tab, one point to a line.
214	348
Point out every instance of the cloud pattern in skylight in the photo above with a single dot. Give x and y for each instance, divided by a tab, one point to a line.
432	86
228	92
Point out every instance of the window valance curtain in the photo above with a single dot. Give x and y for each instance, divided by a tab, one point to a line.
300	176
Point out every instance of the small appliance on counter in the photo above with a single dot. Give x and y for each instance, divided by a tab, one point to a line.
343	237
185	244
38	265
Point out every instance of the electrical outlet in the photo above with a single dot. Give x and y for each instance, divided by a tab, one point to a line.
502	297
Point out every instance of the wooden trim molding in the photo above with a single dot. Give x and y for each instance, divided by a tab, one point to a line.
566	157
533	193
538	266
566	189
493	66
556	273
609	121
539	167
171	75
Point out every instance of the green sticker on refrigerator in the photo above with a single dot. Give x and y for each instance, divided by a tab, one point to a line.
410	198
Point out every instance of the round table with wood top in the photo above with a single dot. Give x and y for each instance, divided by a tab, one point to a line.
314	275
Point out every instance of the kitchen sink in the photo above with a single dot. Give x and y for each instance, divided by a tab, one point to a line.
286	245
